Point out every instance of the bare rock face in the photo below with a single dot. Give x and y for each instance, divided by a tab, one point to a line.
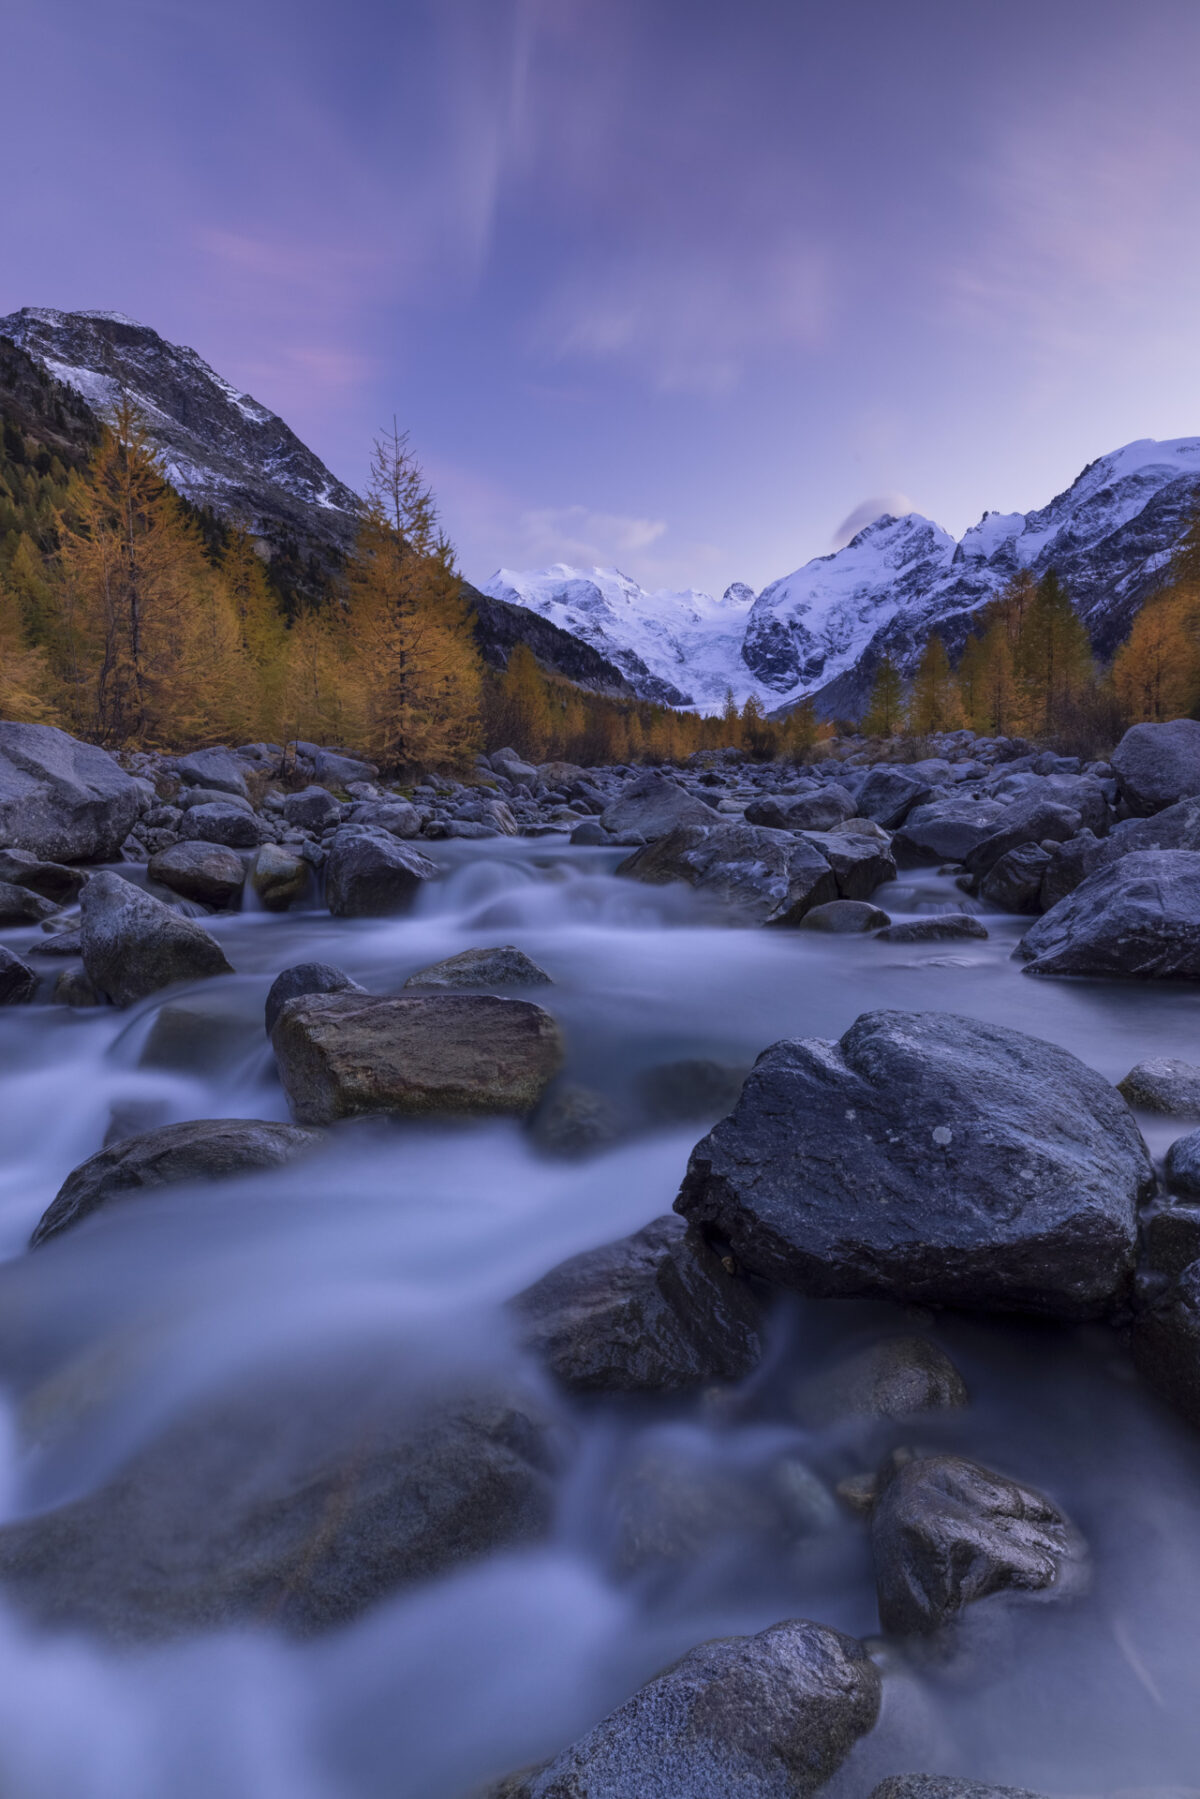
61	799
656	1313
763	876
763	1717
929	1158
343	1054
946	1533
204	1149
133	945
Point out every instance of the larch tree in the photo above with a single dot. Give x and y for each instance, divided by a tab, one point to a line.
885	711
1054	657
525	718
934	705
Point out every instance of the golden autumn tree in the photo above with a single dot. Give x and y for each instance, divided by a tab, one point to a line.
419	677
26	683
261	629
525	719
934	705
885	709
1053	656
1156	672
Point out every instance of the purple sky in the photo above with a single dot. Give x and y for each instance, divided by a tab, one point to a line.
676	284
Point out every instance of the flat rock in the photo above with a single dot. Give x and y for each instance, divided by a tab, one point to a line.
844	918
342	1054
206	1149
305	977
946	1533
1165	1085
1158	764
763	1717
373	876
18	983
762	876
939	927
206	872
655	1313
1138	917
503	967
132	944
61	799
930	1158
653	805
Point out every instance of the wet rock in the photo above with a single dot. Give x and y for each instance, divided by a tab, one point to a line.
312	809
18	905
206	872
18	983
945	829
279	877
763	1717
1032	820
396	817
217	769
1139	917
305	977
654	805
73	988
503	967
61	799
206	1149
1069	864
690	1090
845	918
861	860
939	927
342	1054
209	796
763	876
52	880
946	1533
824	809
334	768
945	1786
290	1503
373	876
197	1039
133	944
1170	1240
1165	1085
894	1379
230	825
509	763
929	1158
591	833
1166	1343
1014	883
654	1313
1183	1164
1158	764
888	795
575	1121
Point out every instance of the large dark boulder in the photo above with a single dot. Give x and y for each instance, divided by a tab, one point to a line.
821	809
223	822
1031	820
653	805
505	966
343	1054
132	944
762	876
888	795
61	799
18	983
19	905
305	977
1014	883
204	1149
1156	765
312	809
946	828
220	770
54	881
859	855
656	1312
209	873
764	1717
372	874
1166	1342
1140	916
927	1157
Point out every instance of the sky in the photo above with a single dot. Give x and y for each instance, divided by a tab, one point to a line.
691	287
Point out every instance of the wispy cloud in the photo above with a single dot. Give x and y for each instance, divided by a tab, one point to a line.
577	534
865	514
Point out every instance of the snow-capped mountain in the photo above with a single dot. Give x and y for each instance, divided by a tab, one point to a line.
220	447
820	631
681	649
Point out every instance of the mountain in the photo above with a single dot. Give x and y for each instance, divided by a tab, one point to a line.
679	649
821	631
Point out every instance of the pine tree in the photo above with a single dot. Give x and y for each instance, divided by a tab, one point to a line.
731	719
758	734
1054	657
934	705
885	711
801	732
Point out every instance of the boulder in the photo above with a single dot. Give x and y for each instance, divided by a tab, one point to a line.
305	977
220	770
18	905
845	918
1069	863
897	1378
946	1786
1014	883
1170	1243
591	834
946	1533
655	1313
1166	1342
396	817
372	876
861	860
132	944
293	1502
504	967
888	795
763	1717
206	1149
18	983
1138	917
52	880
1158	764
279	877
945	829
342	1054
514	767
206	872
312	809
191	797
1183	1165
939	927
821	810
1032	820
61	799
652	806
763	876
1165	1085
334	768
236	828
931	1158
691	1090
575	1121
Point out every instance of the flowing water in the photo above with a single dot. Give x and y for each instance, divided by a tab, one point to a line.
405	1240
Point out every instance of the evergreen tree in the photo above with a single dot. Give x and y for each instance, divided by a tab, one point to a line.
758	734
885	712
1054	657
1156	672
934	705
525	710
731	719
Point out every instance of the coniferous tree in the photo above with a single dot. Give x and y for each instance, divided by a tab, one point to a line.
885	711
934	705
1054	657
